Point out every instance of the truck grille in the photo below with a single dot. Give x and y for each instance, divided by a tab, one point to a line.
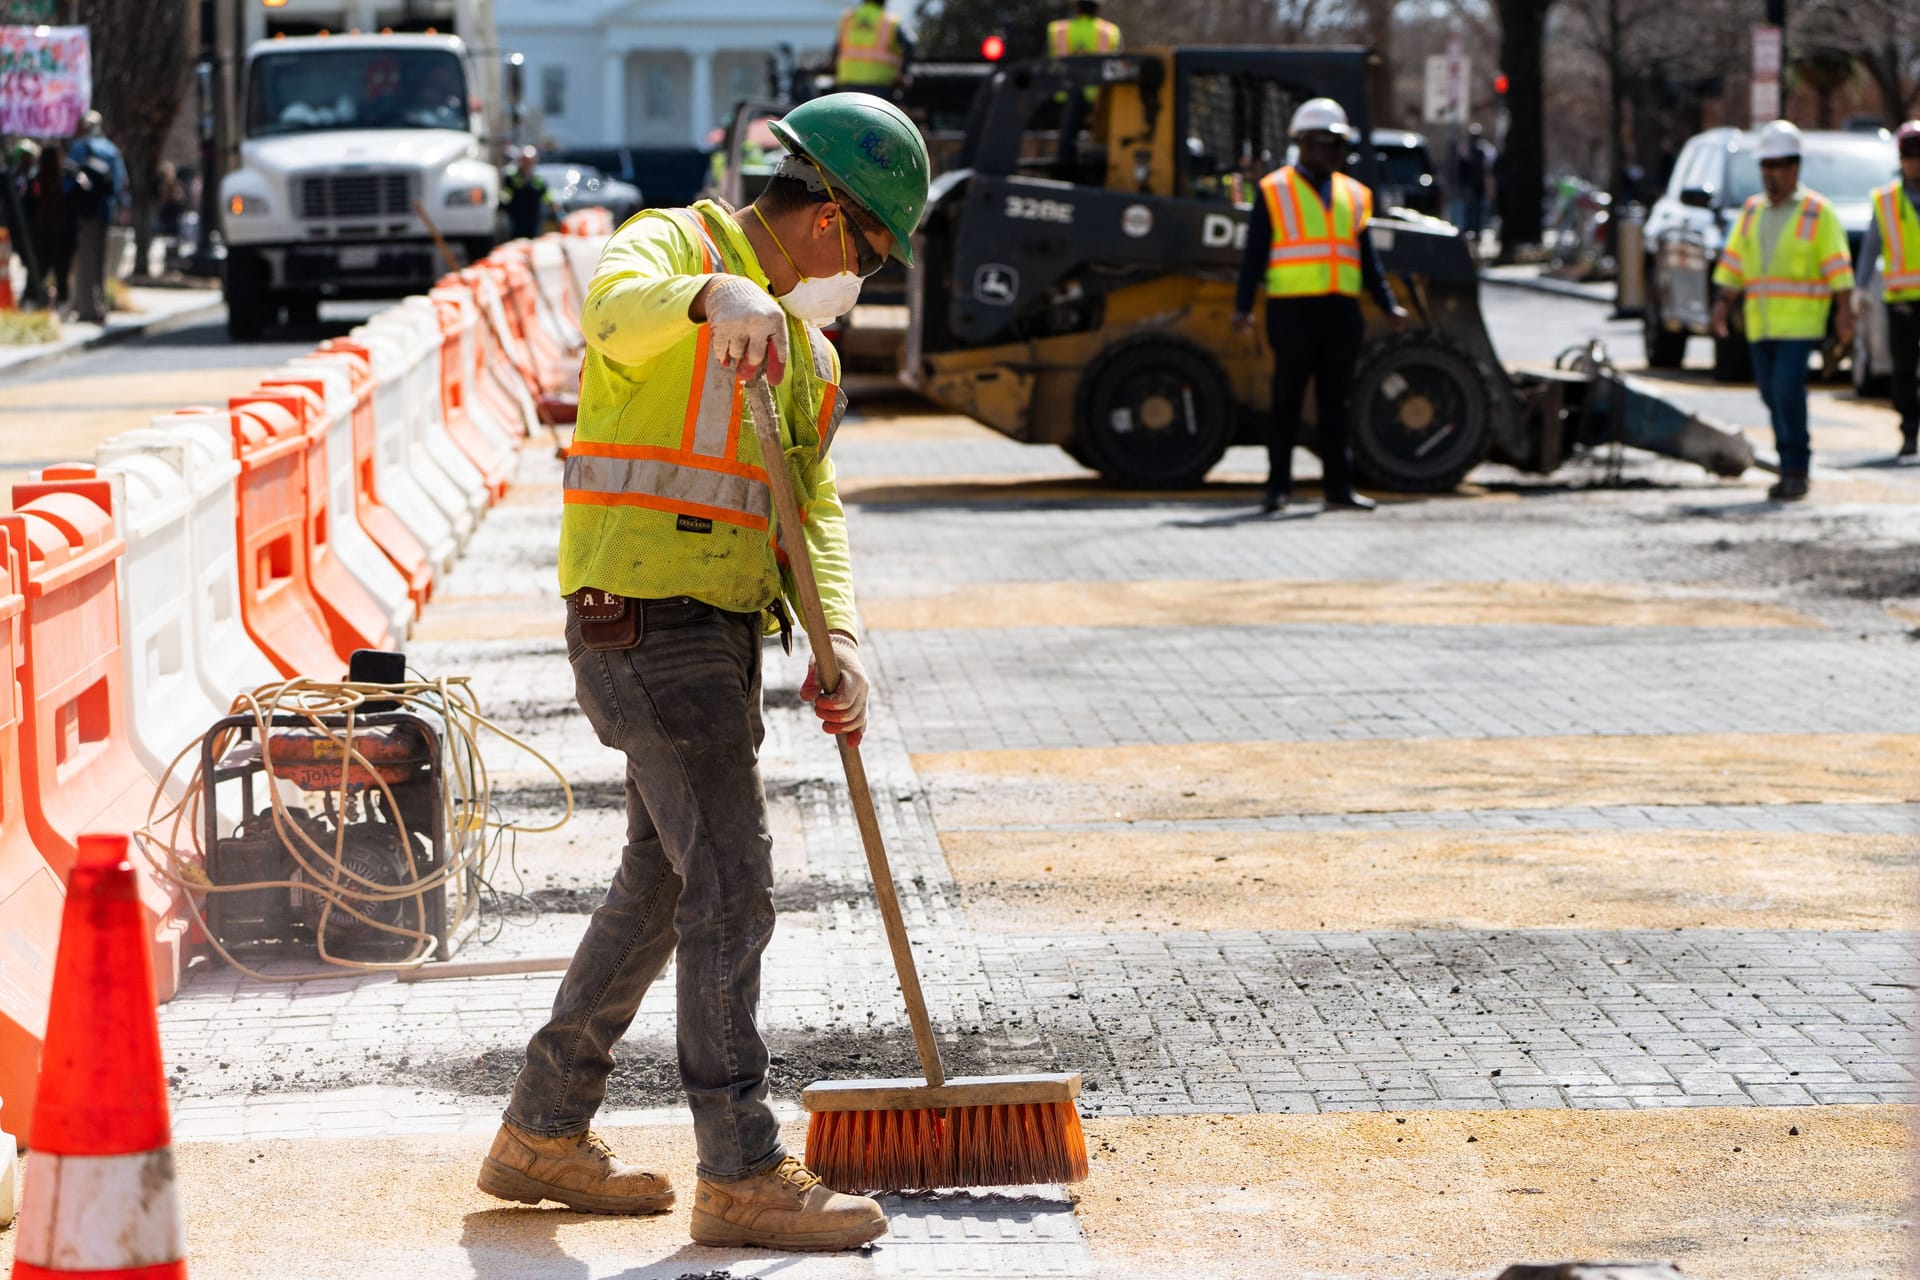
353	195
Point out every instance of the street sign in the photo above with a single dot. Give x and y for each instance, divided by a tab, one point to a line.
1447	81
1764	101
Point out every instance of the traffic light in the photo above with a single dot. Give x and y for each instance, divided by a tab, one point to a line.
1499	84
274	4
993	48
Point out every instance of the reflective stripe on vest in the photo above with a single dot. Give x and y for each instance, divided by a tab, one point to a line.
867	52
1315	250
703	476
1899	243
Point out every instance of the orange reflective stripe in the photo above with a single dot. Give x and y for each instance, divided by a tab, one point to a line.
1057	32
1809	217
672	506
1775	287
658	453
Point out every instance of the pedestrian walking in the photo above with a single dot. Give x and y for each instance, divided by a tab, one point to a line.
1472	170
669	567
52	225
525	196
1891	250
23	177
1788	257
96	187
1307	240
872	49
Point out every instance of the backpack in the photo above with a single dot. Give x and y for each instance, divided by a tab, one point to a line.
92	185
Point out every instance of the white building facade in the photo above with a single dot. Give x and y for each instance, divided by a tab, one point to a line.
653	73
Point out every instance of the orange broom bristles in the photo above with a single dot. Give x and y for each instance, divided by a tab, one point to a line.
1009	1144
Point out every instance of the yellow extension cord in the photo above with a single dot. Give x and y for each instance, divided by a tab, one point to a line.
465	799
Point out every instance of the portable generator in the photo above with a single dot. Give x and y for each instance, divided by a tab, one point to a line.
346	850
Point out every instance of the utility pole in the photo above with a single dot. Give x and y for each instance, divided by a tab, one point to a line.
1777	16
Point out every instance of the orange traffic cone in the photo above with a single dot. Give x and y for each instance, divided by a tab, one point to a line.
99	1197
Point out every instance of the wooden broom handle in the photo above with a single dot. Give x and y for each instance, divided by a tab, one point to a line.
786	510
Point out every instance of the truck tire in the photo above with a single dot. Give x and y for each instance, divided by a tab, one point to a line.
1422	413
250	309
1732	362
1665	349
1154	413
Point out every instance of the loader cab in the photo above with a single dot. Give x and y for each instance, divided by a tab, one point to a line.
1199	123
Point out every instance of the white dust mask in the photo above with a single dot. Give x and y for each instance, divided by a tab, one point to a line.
818	299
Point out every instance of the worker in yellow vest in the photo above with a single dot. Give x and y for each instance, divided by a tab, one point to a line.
1891	252
669	569
1085	32
1788	257
872	49
1307	242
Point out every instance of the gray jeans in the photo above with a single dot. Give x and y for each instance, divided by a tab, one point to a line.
695	883
90	270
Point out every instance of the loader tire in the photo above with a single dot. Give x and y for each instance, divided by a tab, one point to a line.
1154	413
1422	413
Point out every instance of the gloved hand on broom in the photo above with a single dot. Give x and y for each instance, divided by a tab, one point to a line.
845	709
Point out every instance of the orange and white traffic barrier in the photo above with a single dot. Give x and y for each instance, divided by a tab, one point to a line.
78	771
99	1198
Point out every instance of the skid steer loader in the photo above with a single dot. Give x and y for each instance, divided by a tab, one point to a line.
1076	287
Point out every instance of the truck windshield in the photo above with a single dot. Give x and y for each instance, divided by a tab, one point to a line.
310	90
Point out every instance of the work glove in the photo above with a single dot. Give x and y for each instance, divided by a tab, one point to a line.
845	709
749	328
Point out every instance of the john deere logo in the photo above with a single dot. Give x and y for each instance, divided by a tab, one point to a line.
873	145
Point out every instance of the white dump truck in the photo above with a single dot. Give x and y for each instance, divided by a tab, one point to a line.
340	137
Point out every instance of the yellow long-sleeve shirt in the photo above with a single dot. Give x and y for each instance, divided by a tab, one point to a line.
635	385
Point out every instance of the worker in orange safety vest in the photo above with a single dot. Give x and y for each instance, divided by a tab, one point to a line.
1307	241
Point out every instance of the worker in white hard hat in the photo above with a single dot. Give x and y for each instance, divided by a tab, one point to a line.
1308	243
1788	257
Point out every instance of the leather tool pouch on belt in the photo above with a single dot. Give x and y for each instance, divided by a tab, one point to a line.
607	621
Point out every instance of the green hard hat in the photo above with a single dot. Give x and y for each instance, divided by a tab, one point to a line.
866	146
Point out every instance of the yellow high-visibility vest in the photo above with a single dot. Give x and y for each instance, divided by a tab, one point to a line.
1810	264
1082	34
869	46
1316	250
665	490
1899	243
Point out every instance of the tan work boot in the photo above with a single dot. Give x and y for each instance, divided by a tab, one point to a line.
787	1207
580	1172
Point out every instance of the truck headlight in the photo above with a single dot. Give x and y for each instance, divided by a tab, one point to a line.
248	206
466	197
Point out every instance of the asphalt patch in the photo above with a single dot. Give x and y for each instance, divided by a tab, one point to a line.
646	1072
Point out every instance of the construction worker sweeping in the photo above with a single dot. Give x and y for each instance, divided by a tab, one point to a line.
1788	256
1307	241
671	578
1891	249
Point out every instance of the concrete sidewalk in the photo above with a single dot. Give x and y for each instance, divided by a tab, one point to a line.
152	307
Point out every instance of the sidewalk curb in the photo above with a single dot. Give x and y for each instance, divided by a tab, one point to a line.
109	335
1545	284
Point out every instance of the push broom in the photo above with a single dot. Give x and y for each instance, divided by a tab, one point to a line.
907	1134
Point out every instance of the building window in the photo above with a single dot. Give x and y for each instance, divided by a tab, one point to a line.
661	99
553	91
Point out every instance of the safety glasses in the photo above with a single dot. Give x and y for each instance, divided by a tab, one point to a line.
1777	164
861	226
